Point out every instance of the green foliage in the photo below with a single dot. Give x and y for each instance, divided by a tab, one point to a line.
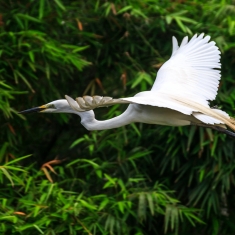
138	179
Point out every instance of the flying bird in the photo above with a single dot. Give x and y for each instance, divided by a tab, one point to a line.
179	97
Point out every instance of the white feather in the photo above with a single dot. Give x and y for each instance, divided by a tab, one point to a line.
207	119
190	70
175	45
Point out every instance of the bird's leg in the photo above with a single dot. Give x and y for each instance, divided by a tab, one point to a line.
217	128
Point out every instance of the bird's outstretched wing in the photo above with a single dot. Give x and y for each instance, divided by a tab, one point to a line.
184	83
190	72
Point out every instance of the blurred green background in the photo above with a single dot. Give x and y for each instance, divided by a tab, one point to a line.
58	178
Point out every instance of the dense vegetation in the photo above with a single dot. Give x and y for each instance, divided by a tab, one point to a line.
58	178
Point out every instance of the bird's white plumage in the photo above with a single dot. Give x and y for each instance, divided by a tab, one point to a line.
186	106
207	119
185	82
179	96
190	72
160	100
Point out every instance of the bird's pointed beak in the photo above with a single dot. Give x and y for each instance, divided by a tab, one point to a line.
34	110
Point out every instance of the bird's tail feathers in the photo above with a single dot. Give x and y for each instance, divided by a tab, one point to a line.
220	115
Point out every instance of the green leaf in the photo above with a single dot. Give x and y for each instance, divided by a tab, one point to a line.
60	5
41	9
76	142
150	203
5	172
17	160
28	17
31	55
124	9
142	206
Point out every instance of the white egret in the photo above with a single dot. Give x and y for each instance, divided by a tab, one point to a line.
179	96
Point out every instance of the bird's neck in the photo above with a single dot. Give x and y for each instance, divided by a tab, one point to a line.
90	123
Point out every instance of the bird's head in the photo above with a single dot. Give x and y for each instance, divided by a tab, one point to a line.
57	106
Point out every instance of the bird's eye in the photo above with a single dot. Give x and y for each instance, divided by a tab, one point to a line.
51	106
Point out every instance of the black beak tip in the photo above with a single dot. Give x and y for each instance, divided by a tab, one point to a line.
32	110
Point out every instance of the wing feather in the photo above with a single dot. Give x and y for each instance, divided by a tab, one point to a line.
175	45
190	72
184	83
87	103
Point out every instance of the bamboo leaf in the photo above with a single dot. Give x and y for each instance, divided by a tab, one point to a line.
28	17
60	5
41	9
5	172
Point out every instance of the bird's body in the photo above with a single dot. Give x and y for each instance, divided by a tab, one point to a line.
158	115
179	96
139	113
